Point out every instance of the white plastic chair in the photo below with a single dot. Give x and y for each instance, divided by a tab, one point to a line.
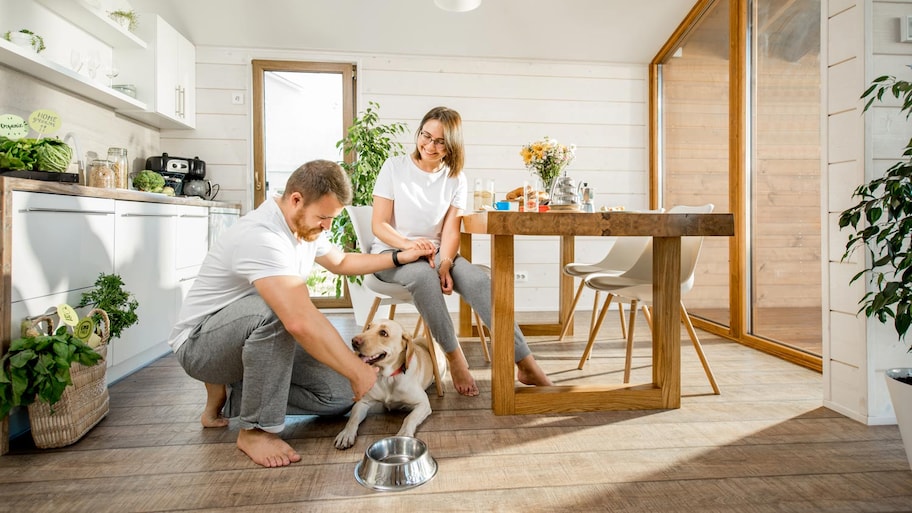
392	294
635	286
622	255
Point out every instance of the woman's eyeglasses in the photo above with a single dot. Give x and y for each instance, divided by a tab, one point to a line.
424	138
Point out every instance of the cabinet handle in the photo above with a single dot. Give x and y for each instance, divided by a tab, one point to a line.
201	216
148	215
68	211
177	97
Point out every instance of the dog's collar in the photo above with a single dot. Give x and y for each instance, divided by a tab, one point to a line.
400	370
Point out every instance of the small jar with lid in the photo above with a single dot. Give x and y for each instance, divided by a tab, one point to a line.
101	174
118	158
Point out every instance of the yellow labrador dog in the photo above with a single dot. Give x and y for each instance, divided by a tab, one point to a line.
405	372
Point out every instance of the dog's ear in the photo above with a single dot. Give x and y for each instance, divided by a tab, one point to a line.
409	348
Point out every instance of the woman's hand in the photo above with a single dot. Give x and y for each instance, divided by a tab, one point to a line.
410	255
426	247
446	279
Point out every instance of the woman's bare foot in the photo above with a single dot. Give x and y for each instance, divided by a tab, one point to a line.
459	373
529	373
216	395
266	449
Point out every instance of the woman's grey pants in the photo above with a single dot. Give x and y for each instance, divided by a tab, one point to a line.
269	375
469	281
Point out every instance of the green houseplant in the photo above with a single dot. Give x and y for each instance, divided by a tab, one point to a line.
109	295
27	37
881	222
369	143
126	19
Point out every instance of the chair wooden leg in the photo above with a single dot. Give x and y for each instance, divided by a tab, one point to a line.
623	321
418	327
569	322
372	312
628	358
392	312
595	302
481	336
696	343
593	332
438	382
647	313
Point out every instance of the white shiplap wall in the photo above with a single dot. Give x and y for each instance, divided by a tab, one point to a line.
504	104
862	43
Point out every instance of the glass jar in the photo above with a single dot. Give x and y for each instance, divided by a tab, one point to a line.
118	158
101	174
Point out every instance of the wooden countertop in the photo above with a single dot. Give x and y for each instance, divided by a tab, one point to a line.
25	184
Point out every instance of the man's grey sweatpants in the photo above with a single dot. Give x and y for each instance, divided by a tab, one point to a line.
245	346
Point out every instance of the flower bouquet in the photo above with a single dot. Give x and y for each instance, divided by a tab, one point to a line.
547	158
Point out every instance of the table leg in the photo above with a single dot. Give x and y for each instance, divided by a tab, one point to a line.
567	249
666	324
502	316
465	312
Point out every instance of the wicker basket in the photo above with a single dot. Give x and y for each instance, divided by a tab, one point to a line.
82	405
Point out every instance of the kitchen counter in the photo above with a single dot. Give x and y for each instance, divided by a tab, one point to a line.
24	184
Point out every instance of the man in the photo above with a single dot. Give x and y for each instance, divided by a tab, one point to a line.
248	321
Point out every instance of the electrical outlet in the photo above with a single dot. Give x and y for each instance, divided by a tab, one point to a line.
237	98
522	276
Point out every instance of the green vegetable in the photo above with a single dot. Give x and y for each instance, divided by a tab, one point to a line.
110	296
53	155
149	181
35	154
39	368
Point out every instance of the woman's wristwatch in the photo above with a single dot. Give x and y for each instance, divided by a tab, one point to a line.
396	261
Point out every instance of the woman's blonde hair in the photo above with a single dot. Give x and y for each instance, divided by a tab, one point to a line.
452	136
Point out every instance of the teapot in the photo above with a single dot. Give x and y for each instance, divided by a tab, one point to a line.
587	197
202	188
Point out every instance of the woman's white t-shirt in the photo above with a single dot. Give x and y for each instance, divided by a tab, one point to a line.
420	200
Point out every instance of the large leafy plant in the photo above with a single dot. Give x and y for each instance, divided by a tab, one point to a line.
885	206
38	368
369	144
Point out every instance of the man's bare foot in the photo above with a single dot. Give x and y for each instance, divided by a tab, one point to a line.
216	395
266	449
529	373
459	373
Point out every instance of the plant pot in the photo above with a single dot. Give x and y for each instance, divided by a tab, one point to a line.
901	397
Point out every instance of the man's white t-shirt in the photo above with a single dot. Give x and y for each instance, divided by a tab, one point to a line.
420	200
259	245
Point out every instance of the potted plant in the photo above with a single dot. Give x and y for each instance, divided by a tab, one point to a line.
370	144
26	38
881	222
110	296
126	19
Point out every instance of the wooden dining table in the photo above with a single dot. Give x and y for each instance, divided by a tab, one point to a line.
666	230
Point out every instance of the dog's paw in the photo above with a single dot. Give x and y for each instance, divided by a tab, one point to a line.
406	432
345	439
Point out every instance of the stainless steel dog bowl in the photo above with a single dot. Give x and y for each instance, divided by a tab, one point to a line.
396	463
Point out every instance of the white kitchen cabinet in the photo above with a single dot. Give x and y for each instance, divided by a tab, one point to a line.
144	257
192	245
61	243
164	73
220	219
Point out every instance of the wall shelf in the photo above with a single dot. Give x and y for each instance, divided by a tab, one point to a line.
31	63
89	15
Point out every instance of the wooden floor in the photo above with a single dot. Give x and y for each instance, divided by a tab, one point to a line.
765	445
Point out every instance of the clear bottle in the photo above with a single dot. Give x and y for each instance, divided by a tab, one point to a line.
478	196
101	174
489	198
118	158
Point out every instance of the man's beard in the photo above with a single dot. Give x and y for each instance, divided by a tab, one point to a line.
302	232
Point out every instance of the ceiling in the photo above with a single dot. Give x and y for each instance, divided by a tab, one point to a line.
621	31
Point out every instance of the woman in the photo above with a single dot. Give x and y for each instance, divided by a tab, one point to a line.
418	202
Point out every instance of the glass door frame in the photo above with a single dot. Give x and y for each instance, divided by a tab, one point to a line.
349	107
739	168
